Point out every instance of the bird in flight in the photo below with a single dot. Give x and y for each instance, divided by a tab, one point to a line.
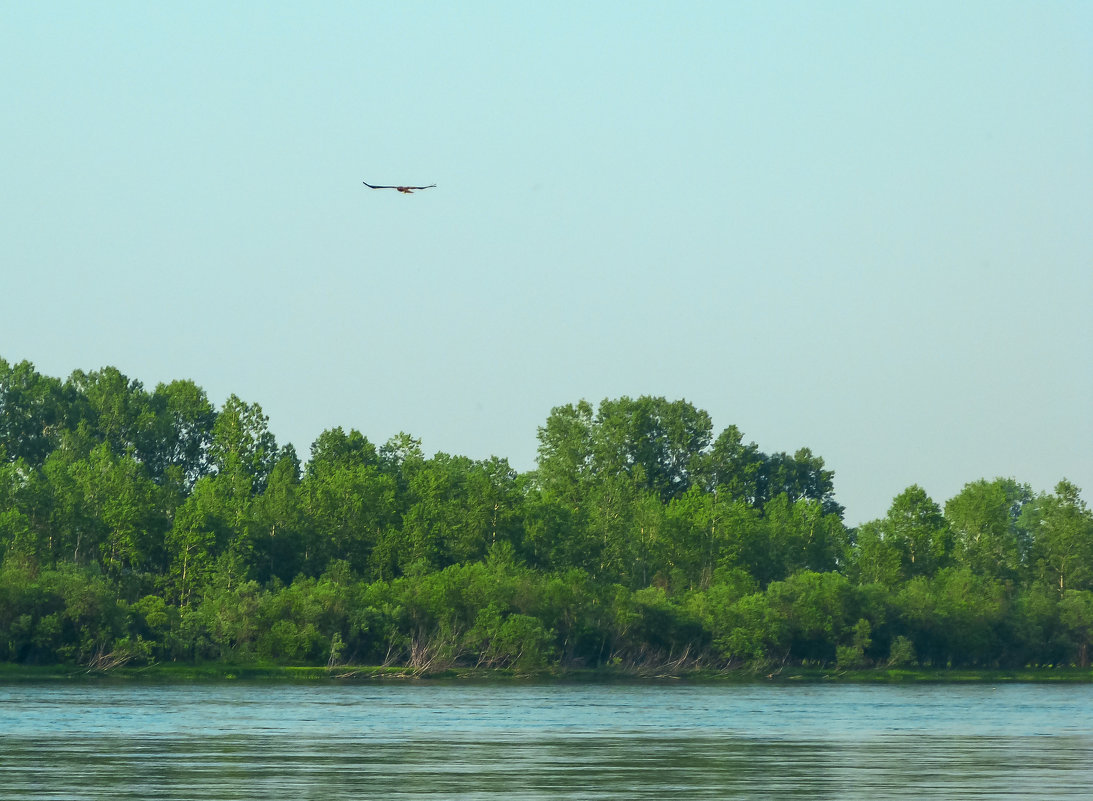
406	190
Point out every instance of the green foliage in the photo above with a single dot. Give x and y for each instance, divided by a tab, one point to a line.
902	653
986	521
34	409
954	617
1061	529
140	527
1077	618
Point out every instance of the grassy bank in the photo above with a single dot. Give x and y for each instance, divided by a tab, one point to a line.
217	672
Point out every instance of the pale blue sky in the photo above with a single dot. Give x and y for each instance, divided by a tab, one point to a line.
862	227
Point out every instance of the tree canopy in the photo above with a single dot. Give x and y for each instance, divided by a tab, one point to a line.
144	526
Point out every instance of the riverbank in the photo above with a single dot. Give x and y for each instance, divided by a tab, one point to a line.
217	672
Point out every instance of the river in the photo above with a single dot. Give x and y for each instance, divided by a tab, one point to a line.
235	741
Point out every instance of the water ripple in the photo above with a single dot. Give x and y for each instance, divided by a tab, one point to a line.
240	742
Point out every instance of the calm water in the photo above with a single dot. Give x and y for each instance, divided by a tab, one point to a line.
452	741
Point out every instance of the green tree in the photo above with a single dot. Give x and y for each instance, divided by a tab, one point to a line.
954	617
75	534
180	435
733	469
1077	618
458	509
603	479
800	477
556	534
985	519
350	501
243	449
1033	627
17	535
278	527
34	409
243	453
800	536
752	629
611	505
336	450
877	558
121	501
913	539
565	463
1061	526
658	442
707	531
116	410
198	535
918	530
818	609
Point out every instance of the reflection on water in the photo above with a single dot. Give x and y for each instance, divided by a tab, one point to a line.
459	742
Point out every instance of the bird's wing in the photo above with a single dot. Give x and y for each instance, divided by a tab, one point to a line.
399	188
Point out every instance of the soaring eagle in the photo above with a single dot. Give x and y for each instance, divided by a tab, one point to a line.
406	190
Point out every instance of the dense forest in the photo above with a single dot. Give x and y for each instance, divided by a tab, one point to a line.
143	526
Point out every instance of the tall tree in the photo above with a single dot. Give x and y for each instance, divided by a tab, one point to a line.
459	509
34	409
120	499
566	450
16	531
277	528
710	532
117	410
243	449
915	525
913	539
985	518
664	439
350	502
800	477
877	559
557	532
198	536
612	502
800	536
734	469
181	433
336	450
1061	526
656	442
74	532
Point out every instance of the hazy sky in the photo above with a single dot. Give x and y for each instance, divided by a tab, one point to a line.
862	227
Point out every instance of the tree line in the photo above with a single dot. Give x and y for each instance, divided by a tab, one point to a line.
145	525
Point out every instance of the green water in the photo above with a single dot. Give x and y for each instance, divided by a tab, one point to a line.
456	741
